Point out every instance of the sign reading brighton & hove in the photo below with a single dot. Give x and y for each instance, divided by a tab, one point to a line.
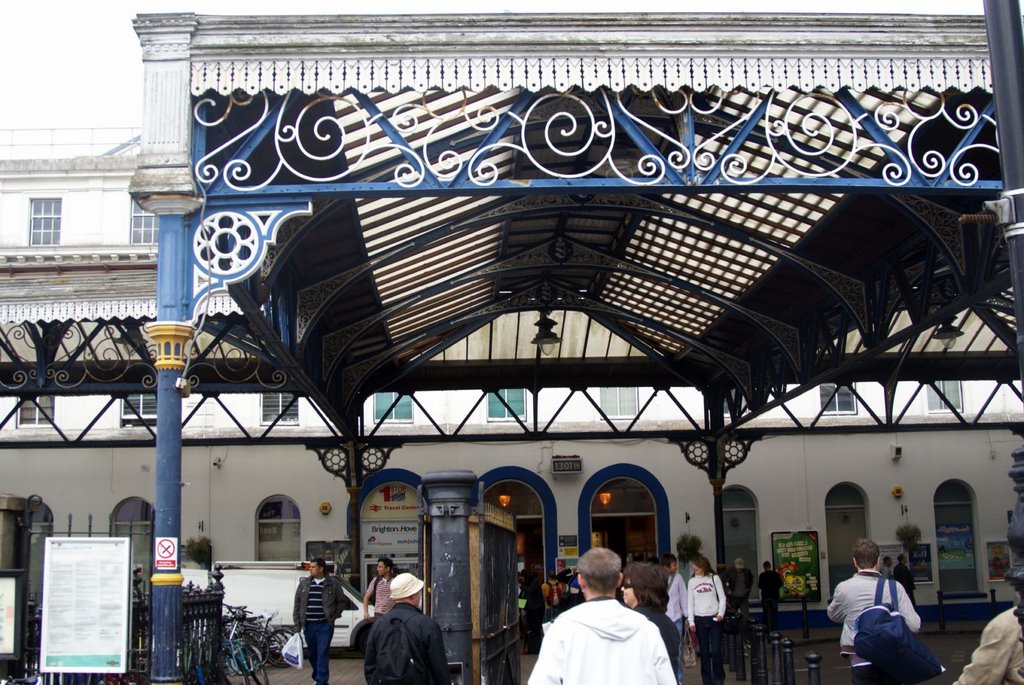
795	555
86	601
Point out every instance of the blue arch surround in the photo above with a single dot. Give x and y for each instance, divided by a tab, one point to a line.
606	474
547	500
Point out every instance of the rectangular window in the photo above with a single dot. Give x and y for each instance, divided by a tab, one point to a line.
144	226
45	226
402	411
273	403
144	404
29	414
515	397
619	402
952	391
843	402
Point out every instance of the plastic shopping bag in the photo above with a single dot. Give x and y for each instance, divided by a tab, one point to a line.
690	647
292	651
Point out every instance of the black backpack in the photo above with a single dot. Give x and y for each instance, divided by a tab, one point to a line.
397	658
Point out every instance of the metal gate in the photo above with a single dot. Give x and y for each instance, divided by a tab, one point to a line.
499	606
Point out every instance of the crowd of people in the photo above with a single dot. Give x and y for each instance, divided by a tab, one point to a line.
603	622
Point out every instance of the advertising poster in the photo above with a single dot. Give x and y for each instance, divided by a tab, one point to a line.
795	555
954	544
86	604
10	596
998	555
920	563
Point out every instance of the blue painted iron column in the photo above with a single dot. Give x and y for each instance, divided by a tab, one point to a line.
172	334
1006	50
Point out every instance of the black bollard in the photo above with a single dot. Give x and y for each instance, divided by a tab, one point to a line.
813	668
760	674
942	611
788	669
805	617
739	660
776	642
728	642
755	637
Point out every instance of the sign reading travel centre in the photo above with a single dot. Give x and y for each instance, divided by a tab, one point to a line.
390	525
391	501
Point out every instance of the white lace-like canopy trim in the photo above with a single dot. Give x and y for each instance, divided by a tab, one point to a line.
90	310
590	73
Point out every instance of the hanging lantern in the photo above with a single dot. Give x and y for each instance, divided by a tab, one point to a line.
604	497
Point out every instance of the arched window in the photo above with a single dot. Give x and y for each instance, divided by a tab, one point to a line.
42	528
845	523
133	519
954	537
740	514
623	518
278	530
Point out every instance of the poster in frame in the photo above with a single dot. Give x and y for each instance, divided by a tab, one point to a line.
12	596
998	555
796	559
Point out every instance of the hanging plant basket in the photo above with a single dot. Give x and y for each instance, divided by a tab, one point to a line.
909	534
688	547
200	550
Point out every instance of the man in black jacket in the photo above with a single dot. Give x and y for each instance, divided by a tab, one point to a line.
902	575
318	603
769	583
427	643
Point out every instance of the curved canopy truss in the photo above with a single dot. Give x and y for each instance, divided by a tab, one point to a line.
395	219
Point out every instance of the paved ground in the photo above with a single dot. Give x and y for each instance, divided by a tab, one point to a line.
953	648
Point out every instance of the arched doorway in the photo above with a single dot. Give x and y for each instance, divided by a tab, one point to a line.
522	501
623	519
133	519
845	523
740	513
954	537
278	530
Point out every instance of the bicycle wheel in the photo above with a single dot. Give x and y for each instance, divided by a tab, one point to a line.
275	643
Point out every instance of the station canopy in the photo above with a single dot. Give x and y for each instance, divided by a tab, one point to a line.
750	206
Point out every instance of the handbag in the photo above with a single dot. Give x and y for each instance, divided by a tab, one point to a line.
884	638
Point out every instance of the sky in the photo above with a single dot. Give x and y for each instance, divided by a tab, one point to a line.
75	64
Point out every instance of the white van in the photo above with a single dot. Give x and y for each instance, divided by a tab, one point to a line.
265	587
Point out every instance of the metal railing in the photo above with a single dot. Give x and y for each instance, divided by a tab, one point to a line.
61	143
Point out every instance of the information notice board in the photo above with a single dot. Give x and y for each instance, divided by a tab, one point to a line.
796	560
86	605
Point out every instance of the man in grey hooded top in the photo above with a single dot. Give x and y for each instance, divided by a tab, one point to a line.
602	641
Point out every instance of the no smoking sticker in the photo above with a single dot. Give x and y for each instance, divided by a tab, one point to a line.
166	556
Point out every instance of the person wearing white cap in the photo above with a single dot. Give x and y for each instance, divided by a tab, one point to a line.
388	651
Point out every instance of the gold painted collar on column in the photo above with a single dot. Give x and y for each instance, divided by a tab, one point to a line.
172	340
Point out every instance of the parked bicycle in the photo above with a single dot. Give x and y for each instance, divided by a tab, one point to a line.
241	659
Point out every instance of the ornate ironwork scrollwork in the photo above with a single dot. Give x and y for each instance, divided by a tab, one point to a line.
335	461
775	134
373	459
697	453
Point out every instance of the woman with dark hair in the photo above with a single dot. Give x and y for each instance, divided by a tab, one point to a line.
645	589
705	608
